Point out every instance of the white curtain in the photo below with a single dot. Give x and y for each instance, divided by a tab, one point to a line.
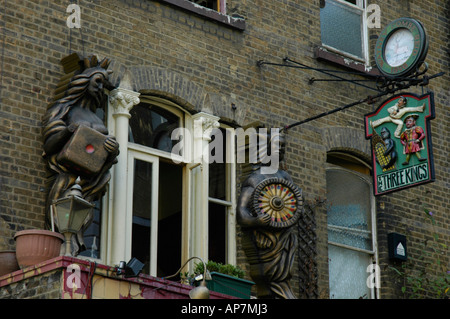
350	248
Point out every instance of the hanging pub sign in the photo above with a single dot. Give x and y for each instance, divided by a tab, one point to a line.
400	132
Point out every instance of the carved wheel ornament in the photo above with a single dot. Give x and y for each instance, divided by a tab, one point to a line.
280	199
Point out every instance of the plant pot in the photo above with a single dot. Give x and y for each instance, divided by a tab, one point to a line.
36	245
230	285
8	262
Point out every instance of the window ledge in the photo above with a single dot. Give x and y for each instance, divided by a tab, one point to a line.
233	22
322	53
92	280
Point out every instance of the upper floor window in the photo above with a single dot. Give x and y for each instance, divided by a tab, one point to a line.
155	187
168	203
215	10
218	5
351	227
344	28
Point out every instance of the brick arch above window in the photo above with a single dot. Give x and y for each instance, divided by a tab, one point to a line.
170	85
177	88
346	139
161	82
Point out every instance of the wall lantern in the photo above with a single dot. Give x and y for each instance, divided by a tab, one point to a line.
70	213
397	247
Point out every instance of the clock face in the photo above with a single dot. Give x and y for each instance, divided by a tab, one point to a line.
399	47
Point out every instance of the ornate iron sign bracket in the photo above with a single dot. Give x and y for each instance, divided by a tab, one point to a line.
385	85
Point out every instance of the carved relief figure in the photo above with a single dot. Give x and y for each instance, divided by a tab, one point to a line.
384	149
390	148
412	138
395	114
268	206
71	121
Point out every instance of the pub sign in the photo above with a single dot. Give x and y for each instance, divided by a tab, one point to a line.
400	136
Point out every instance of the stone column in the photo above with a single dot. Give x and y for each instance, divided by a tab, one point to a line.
204	123
121	101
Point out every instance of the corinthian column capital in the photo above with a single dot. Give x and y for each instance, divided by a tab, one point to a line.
204	124
123	100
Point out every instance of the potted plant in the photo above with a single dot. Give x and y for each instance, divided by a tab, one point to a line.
226	279
37	245
8	262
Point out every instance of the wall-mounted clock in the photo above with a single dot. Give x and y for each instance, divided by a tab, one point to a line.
401	47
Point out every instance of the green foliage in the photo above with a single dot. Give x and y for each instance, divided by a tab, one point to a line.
227	269
426	276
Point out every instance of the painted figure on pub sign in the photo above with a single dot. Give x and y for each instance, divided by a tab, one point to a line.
76	141
396	112
412	138
384	147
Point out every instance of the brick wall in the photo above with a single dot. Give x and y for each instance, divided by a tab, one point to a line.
45	286
209	66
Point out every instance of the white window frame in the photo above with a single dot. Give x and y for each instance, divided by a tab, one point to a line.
230	195
117	226
373	253
152	155
361	5
135	154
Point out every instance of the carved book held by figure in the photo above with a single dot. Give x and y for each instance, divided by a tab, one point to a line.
85	151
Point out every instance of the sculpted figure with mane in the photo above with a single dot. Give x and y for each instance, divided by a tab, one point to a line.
269	206
84	95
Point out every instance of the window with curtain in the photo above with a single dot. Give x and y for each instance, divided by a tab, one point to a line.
343	27
351	231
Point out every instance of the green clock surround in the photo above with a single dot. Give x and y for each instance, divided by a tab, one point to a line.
401	47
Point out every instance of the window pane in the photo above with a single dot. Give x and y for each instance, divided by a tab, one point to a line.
152	126
341	27
217	233
349	212
92	234
348	274
142	203
348	225
169	219
217	189
217	180
217	166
